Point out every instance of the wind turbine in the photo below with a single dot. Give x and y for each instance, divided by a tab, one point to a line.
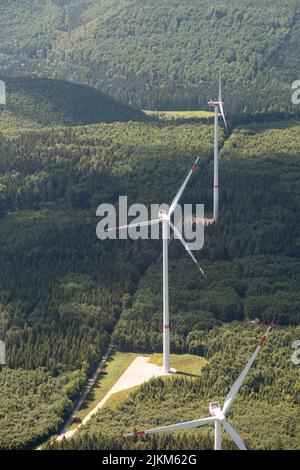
218	106
218	415
164	217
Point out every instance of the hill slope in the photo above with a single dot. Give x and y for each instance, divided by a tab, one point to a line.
39	101
63	291
160	54
265	413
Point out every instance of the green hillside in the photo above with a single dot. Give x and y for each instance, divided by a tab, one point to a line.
265	413
73	135
160	54
64	293
250	257
37	102
62	288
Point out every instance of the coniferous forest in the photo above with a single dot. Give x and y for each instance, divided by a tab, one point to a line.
164	54
73	136
64	293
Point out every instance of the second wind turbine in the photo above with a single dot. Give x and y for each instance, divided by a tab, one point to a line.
164	217
218	106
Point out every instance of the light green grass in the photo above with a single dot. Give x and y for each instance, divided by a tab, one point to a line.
169	115
117	398
185	364
115	367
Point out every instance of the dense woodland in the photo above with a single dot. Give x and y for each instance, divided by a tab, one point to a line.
38	102
62	288
265	413
163	54
64	293
33	404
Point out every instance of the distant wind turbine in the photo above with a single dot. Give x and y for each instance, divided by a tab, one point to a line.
218	415
218	106
165	218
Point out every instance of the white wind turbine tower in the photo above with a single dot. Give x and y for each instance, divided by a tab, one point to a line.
165	218
218	415
218	106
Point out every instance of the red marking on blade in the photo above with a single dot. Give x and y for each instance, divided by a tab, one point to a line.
262	340
139	433
194	167
167	327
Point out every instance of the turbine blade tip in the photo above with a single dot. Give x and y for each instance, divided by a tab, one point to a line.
195	164
262	340
200	269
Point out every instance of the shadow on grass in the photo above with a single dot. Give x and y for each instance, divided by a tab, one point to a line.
186	374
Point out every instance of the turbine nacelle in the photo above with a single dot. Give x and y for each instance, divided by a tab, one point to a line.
213	103
214	408
162	215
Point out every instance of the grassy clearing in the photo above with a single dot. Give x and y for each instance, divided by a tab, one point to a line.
115	367
185	364
118	397
169	115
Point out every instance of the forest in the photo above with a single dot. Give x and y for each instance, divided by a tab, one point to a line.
65	294
163	54
38	102
37	406
265	413
73	135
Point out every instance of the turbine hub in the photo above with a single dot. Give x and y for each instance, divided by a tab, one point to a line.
162	214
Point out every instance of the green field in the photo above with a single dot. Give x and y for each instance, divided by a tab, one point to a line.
173	115
185	364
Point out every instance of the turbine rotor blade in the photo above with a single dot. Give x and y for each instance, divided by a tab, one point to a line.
179	236
182	188
138	224
172	427
238	383
223	115
234	435
220	87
